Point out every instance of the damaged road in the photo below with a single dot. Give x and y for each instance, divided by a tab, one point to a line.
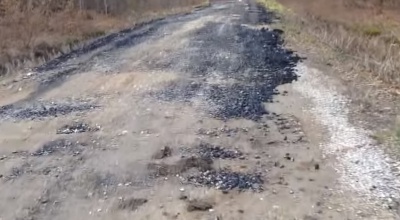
196	116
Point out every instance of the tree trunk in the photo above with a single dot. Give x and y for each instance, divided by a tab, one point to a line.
105	7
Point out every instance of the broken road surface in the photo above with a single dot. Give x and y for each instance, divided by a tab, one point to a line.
198	116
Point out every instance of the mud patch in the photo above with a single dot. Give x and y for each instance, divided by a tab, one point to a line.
39	110
60	146
227	180
78	127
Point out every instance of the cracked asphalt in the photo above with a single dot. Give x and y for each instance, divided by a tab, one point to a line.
193	116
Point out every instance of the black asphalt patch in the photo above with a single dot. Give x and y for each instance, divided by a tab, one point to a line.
60	146
227	180
78	127
217	152
251	63
38	110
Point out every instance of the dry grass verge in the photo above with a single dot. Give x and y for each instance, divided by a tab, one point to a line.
361	41
369	42
34	31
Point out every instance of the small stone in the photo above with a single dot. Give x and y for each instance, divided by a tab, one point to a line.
99	210
182	189
43	200
163	153
241	211
316	166
291	192
257	157
183	197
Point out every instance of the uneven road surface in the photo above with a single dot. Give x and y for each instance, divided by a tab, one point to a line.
198	116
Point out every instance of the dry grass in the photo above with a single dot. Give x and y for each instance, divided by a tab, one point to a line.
364	33
33	31
360	39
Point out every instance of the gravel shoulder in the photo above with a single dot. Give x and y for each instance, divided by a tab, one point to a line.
199	116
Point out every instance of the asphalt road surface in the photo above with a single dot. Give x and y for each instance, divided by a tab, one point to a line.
199	116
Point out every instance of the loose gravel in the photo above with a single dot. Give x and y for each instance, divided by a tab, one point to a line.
227	180
40	109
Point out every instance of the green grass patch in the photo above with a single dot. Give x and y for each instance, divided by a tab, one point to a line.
94	34
273	5
390	138
72	41
369	30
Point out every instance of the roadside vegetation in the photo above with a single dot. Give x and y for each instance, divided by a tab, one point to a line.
360	39
33	31
364	33
391	138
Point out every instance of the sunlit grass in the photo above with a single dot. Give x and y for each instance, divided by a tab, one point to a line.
273	5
